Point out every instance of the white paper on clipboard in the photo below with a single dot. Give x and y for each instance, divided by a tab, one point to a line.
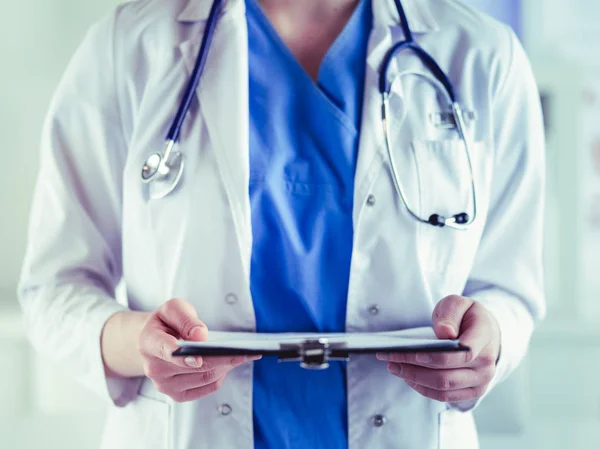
410	338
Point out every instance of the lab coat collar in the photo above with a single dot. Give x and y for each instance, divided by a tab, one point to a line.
387	29
198	10
418	14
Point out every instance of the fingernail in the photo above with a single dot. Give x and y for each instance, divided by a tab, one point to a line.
191	362
252	358
394	368
423	358
449	327
195	330
383	357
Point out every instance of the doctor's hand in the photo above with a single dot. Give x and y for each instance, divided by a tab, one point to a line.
459	376
182	379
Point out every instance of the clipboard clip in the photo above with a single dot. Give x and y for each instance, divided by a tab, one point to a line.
313	354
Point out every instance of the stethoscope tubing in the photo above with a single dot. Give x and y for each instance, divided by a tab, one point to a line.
160	167
188	96
168	166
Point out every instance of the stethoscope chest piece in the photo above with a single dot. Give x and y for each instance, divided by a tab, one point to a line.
162	173
150	167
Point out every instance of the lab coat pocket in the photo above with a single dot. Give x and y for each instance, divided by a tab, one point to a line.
444	177
445	188
457	430
143	424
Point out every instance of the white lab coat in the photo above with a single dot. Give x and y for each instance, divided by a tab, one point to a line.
93	224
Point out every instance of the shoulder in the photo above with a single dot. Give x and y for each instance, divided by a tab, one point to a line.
457	12
137	22
493	70
122	51
139	18
487	46
472	27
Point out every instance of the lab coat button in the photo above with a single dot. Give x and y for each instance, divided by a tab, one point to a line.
374	310
225	409
231	299
379	420
371	200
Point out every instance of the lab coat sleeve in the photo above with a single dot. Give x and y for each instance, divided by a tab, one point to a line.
507	276
73	262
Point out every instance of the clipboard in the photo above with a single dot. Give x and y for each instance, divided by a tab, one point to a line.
315	350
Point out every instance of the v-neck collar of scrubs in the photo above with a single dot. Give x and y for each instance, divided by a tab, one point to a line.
335	55
303	153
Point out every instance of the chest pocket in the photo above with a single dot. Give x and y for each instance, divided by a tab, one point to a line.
446	188
444	177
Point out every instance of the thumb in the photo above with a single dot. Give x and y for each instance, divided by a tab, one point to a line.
448	315
182	318
198	333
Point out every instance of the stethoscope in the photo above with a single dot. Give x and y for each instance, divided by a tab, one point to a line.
163	171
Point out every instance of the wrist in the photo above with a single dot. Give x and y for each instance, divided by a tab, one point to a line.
119	344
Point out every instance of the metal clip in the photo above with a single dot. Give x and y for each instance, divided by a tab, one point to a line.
313	354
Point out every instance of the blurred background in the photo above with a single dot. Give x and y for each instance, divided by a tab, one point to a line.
553	401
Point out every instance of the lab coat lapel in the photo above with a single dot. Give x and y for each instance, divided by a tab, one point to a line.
372	140
223	99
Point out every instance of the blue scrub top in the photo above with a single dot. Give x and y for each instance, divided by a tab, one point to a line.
303	152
